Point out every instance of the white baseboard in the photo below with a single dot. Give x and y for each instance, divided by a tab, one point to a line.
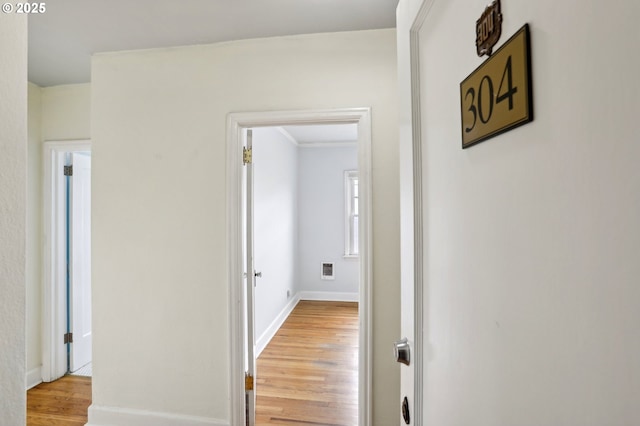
113	416
34	377
273	328
329	296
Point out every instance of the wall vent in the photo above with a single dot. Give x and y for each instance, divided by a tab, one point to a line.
328	271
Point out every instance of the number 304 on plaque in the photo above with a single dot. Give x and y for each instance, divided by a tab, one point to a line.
497	96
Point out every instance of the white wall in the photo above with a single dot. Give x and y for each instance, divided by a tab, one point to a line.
532	237
159	213
66	112
13	216
275	161
322	223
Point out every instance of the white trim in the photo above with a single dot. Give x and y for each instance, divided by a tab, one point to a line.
275	325
236	122
54	355
411	18
235	272
365	242
114	416
418	225
329	296
34	377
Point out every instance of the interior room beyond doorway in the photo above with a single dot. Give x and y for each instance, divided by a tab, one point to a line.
305	210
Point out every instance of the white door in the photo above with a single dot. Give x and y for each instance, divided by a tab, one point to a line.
250	341
80	261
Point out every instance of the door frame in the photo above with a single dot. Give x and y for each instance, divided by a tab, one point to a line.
236	123
412	15
54	297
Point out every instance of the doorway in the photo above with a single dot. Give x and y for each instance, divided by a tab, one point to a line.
66	336
305	251
243	394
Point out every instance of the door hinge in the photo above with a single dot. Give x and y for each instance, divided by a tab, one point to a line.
247	154
248	382
68	170
68	338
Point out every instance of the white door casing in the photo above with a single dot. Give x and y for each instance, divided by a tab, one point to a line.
236	125
250	341
411	15
54	321
80	260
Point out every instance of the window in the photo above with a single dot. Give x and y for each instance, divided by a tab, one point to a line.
351	213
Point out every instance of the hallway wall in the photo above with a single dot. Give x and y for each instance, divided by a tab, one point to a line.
13	216
160	262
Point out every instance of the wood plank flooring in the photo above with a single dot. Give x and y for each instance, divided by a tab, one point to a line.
60	403
308	374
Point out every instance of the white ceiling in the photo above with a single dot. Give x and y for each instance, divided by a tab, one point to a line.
62	39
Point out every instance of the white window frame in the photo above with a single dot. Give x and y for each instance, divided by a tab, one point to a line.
350	246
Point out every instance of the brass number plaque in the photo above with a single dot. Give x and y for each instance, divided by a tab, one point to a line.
497	96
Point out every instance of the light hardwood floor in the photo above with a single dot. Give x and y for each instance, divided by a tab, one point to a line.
308	374
60	403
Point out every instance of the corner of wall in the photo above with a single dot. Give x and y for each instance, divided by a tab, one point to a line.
34	234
